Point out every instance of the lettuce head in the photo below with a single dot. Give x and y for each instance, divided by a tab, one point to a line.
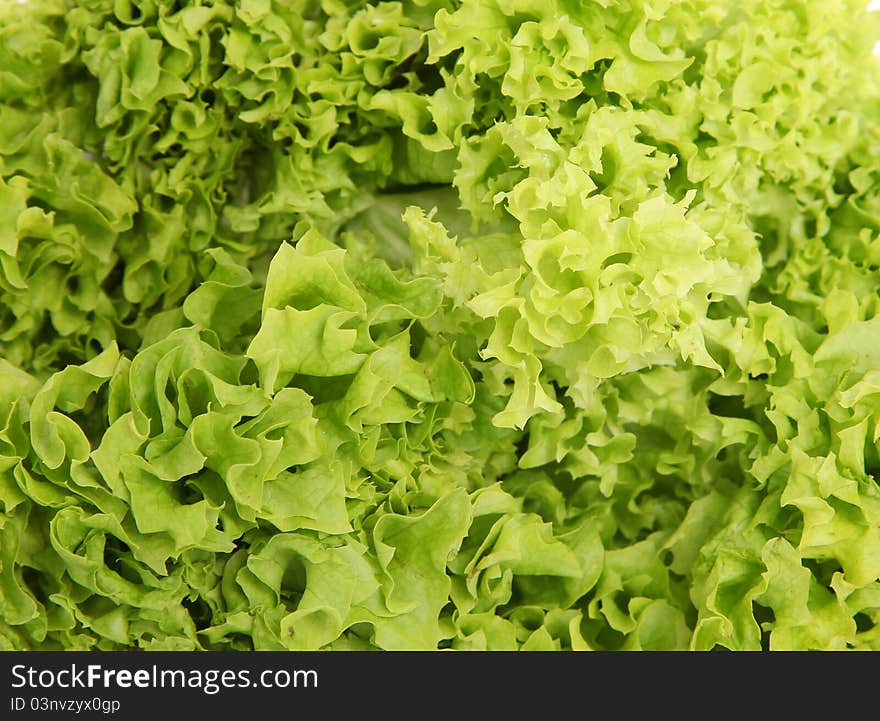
439	324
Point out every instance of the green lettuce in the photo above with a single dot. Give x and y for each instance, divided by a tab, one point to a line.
442	324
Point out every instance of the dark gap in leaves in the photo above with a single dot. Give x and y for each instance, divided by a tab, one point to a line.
770	241
33	581
610	640
704	139
558	391
217	51
164	203
822	569
115	550
250	374
276	434
842	184
428	126
92	417
718	310
121	20
765	618
240	641
396	188
518	18
679	184
46	333
448	611
606	176
616	98
430	78
253	175
522	445
293	582
243	420
728	406
196	392
651	436
660	146
199	611
621	599
128	569
863	622
189	492
810	227
530	622
450	60
593	82
623	258
324	389
479	529
93	346
691	615
170	390
417	336
388	329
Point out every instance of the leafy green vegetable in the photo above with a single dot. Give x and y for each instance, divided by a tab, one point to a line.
470	324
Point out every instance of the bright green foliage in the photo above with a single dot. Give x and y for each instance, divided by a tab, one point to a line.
471	324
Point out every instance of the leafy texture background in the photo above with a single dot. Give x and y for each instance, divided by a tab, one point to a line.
459	324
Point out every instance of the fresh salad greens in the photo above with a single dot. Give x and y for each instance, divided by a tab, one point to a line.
469	324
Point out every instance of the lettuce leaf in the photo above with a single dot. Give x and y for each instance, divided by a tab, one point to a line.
453	324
